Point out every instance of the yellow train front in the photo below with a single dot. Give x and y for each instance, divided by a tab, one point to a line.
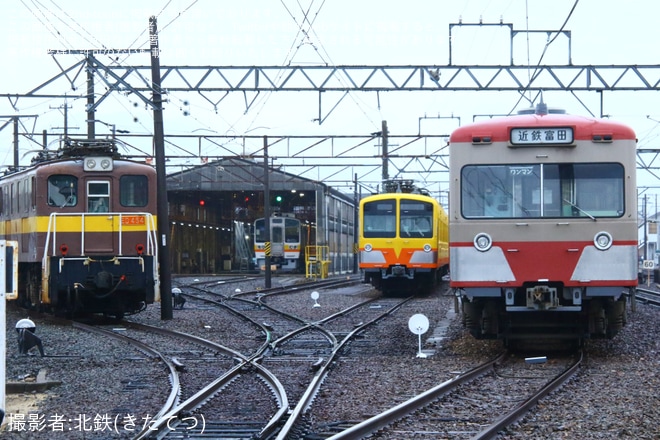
403	242
84	219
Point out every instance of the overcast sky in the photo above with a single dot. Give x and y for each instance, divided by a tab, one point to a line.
342	32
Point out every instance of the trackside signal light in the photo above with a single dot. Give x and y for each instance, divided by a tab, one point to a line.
201	203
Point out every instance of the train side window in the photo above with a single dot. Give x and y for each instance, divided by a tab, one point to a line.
62	190
133	191
6	201
98	196
33	192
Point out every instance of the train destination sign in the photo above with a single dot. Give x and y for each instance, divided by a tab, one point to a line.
542	136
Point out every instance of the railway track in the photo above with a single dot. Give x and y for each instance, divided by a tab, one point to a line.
648	296
298	351
374	373
404	420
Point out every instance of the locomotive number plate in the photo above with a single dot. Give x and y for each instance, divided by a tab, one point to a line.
133	220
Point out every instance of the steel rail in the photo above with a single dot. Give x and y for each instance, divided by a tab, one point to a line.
520	410
175	389
381	420
310	393
159	427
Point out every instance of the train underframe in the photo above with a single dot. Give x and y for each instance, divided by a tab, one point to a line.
550	312
282	264
399	279
76	287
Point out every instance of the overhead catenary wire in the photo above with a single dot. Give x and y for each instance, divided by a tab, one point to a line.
538	64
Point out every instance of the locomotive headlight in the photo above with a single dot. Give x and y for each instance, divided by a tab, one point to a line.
427	248
98	163
368	247
603	241
482	242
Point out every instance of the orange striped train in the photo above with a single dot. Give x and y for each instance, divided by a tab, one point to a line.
84	219
543	219
403	242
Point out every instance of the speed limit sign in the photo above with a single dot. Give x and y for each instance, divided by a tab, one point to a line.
647	264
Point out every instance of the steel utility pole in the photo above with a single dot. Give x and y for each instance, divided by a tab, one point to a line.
267	271
385	142
161	176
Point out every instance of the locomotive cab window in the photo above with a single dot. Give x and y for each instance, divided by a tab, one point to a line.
98	196
543	190
133	191
62	190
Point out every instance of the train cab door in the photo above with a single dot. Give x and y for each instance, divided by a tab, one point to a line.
277	237
99	228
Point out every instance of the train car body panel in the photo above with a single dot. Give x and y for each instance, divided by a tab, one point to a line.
403	241
543	220
85	222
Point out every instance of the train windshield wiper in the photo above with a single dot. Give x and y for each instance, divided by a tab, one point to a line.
580	209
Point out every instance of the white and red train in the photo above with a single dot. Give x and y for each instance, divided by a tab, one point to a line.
543	221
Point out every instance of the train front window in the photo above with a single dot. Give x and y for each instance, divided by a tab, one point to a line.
542	190
291	231
416	219
260	230
62	190
379	219
98	196
133	191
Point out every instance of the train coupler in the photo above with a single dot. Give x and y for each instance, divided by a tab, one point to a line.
542	298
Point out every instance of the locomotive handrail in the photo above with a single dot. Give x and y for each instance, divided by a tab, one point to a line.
151	248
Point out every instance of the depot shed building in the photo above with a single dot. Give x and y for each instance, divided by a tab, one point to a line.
213	206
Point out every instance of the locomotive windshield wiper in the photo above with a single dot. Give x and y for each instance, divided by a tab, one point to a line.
580	209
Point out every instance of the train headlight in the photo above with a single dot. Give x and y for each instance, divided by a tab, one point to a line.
482	242
603	241
427	248
368	247
98	163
